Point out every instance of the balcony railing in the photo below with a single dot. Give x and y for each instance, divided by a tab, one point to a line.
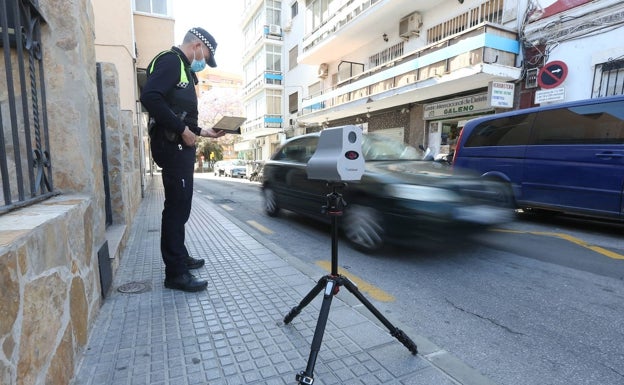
482	44
267	78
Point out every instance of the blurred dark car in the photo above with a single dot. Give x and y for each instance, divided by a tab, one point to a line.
400	197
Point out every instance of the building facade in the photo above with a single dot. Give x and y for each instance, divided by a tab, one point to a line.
573	51
416	71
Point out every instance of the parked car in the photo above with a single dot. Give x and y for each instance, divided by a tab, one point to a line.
236	168
399	197
219	167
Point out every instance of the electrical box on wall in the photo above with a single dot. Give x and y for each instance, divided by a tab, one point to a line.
530	81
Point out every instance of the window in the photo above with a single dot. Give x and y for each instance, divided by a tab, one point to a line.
299	151
24	151
293	102
318	13
590	124
273	58
294	10
157	7
273	12
609	79
490	11
292	57
509	131
274	102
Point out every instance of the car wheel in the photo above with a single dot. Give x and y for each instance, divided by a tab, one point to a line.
270	202
363	228
503	195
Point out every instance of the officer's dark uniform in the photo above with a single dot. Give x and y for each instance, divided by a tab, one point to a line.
169	97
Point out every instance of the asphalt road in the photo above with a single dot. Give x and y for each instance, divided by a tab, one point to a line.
539	301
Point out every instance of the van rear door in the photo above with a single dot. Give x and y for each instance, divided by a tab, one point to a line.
576	160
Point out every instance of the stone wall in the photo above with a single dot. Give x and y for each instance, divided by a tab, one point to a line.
49	275
50	288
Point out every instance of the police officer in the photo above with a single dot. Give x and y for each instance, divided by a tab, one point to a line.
170	98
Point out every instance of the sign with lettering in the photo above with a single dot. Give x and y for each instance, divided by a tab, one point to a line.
456	107
545	96
501	94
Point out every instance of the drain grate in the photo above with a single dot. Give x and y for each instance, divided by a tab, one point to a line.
134	287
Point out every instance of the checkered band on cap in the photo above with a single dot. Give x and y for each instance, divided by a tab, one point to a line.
204	39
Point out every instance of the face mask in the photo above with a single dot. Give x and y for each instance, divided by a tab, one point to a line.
198	65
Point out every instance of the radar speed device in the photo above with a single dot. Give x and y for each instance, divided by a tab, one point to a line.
338	156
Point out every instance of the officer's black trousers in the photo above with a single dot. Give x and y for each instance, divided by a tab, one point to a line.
178	185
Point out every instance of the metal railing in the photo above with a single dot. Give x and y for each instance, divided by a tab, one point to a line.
25	163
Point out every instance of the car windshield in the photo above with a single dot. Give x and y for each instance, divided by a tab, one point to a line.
379	147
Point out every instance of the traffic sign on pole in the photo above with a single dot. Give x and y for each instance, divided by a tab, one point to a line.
552	74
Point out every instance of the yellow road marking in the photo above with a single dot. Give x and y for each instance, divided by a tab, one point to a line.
228	208
258	226
362	285
569	238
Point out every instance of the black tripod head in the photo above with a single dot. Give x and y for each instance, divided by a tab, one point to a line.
334	203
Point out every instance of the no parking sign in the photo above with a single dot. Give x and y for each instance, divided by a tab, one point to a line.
552	74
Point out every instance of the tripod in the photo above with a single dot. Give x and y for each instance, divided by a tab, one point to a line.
331	283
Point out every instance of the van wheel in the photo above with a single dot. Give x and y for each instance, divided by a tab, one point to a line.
270	202
362	226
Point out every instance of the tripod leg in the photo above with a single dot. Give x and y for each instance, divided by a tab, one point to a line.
394	331
306	300
307	377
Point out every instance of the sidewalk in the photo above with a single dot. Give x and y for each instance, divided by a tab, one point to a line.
233	333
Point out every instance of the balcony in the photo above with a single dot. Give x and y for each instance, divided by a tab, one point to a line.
357	23
267	79
261	126
461	62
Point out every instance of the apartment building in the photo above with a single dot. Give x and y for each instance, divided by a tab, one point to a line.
412	70
419	70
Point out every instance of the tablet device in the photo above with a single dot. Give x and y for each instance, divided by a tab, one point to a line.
230	124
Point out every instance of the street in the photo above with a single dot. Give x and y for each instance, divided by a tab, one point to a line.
537	301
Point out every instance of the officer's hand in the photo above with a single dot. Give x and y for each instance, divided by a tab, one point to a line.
188	137
211	133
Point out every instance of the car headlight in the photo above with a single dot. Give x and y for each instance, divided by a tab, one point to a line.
422	193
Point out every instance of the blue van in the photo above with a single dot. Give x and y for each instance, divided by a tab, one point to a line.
566	157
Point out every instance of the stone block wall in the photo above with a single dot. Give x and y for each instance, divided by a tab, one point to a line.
50	288
49	275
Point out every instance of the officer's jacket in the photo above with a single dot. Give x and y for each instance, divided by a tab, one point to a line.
169	93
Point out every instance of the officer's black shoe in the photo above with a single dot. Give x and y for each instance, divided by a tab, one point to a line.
185	282
193	263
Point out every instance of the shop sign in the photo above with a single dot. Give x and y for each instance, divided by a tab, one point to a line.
459	106
553	95
501	94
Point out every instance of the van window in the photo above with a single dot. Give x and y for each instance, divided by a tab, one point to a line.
591	124
508	131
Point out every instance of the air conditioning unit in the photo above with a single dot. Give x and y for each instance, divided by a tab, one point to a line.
275	30
287	26
410	25
323	70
